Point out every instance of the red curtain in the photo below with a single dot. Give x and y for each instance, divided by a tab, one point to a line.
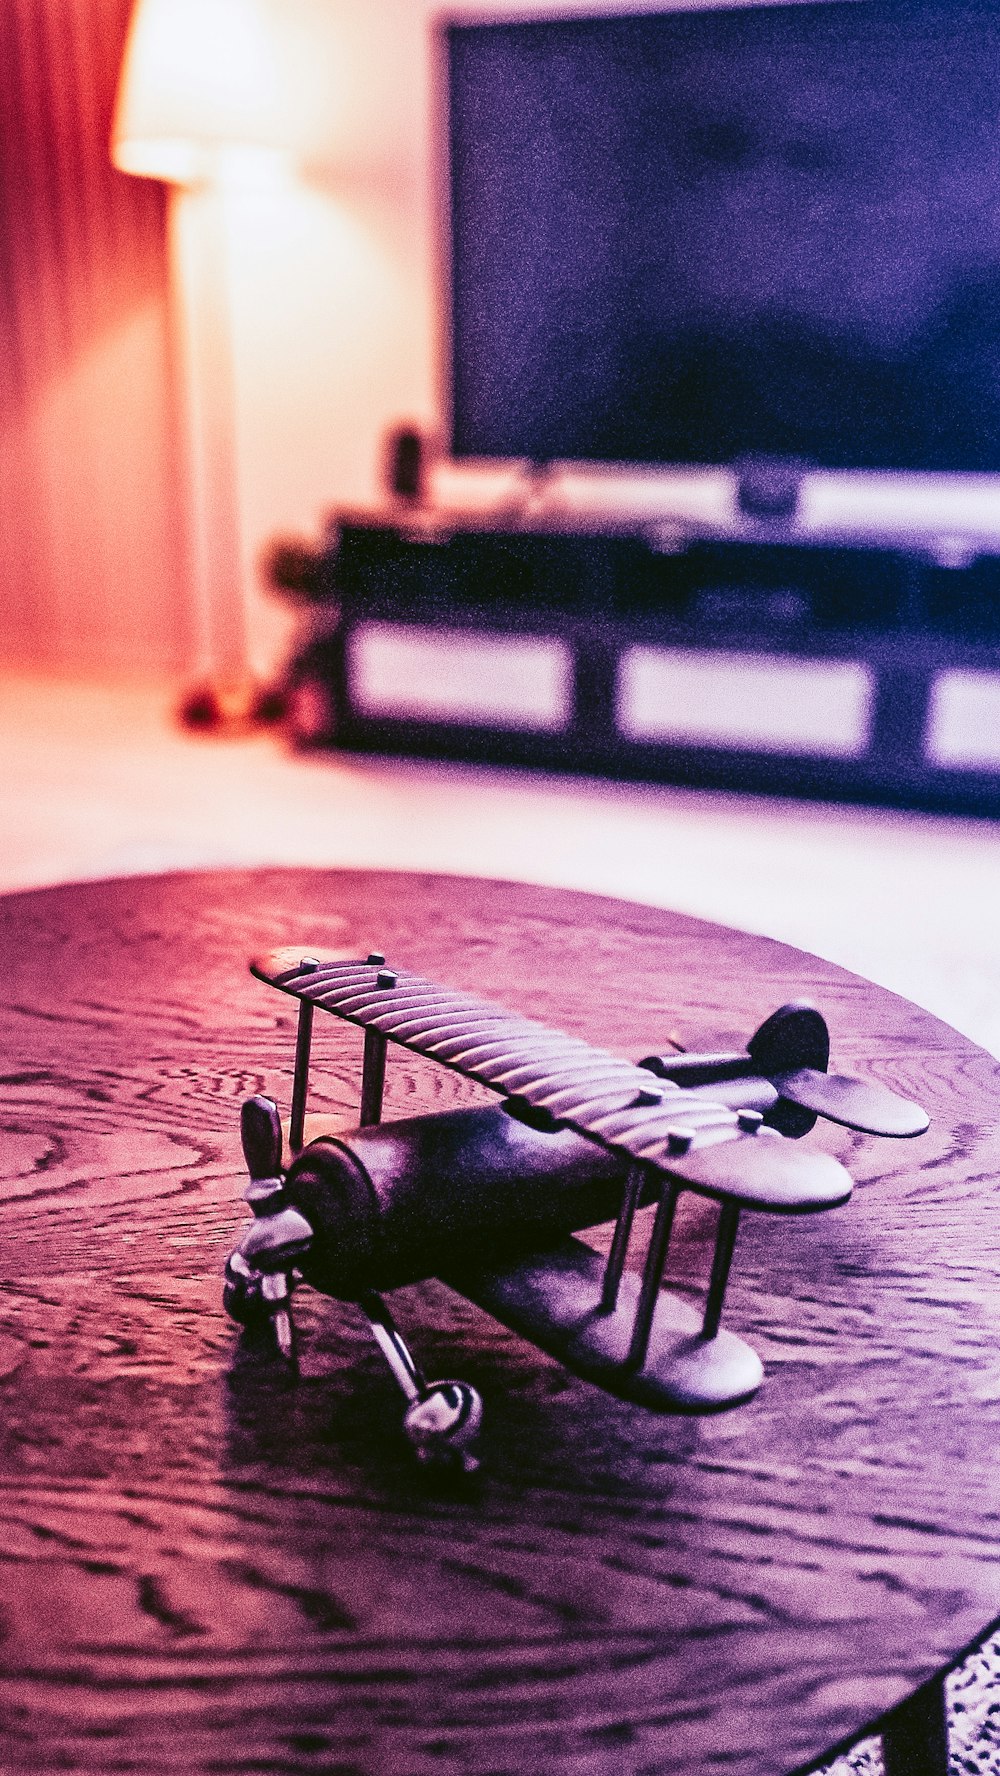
89	547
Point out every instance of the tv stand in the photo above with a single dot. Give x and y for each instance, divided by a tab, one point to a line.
808	669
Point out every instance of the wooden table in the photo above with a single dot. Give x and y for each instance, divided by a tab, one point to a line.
206	1567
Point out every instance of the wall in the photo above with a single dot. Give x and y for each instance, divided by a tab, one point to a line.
334	319
336	283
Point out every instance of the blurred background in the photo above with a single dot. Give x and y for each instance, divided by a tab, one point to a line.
226	346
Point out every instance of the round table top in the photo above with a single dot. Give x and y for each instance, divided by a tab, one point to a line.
208	1565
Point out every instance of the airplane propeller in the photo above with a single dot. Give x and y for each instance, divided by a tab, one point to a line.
442	1418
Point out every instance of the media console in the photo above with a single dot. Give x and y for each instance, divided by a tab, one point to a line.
808	669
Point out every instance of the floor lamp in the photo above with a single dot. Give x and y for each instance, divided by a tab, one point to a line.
199	107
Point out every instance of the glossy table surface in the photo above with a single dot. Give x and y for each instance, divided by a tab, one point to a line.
206	1566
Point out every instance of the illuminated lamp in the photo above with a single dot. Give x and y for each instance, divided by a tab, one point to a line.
204	105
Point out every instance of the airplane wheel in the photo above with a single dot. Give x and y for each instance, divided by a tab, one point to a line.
240	1296
235	1303
443	1423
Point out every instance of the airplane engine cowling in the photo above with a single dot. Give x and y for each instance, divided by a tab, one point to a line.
400	1201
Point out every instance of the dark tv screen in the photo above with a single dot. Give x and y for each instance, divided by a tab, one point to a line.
689	237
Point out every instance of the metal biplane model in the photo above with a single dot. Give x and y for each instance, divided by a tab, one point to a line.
488	1198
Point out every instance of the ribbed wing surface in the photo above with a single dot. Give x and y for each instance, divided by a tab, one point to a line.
600	1095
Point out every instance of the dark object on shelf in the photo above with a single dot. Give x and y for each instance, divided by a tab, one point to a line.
405	464
808	669
769	487
488	1200
294	567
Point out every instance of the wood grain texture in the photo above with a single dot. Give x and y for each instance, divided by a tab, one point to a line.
206	1567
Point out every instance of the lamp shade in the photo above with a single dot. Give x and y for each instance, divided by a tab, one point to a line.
199	77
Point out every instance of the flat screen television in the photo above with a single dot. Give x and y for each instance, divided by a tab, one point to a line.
755	230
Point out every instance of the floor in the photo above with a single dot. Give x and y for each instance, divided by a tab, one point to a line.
100	780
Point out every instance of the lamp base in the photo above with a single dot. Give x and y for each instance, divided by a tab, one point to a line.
228	707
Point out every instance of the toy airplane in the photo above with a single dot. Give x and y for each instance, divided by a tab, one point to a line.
487	1199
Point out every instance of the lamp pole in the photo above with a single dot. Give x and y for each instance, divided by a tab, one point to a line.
197	104
223	691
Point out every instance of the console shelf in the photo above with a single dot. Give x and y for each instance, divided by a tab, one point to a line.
790	668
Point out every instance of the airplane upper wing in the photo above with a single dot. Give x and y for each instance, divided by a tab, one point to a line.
707	1146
